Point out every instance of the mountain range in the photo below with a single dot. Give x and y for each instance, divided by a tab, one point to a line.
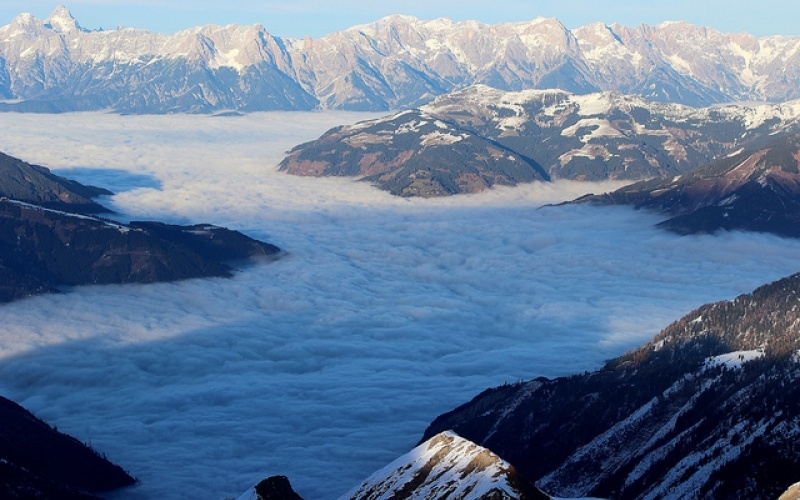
53	64
472	139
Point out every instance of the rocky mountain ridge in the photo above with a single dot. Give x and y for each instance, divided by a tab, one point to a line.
38	462
397	62
753	190
43	248
470	140
706	410
34	184
445	467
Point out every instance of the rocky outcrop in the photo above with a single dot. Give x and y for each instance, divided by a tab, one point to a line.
272	488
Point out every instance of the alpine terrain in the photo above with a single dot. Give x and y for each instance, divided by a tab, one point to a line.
43	248
707	409
54	64
479	137
445	467
753	190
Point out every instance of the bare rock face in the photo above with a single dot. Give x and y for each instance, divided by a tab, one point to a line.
54	64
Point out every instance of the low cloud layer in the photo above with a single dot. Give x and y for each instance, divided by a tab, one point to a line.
329	363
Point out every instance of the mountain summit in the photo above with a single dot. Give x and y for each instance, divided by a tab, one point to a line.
61	20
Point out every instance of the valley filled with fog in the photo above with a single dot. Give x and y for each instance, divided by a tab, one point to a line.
385	312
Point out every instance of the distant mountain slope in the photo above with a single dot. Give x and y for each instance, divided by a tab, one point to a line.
414	154
34	184
709	409
41	249
55	65
473	139
47	239
38	462
754	190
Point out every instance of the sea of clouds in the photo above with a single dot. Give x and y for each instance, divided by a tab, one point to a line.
384	312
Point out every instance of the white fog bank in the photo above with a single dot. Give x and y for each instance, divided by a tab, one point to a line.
329	363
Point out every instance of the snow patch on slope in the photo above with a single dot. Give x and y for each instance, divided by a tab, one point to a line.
444	467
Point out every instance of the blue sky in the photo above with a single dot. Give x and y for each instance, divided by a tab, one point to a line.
316	18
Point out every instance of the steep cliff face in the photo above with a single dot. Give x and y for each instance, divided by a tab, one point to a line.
397	62
707	409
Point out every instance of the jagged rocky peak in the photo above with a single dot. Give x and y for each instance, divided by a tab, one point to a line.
447	467
393	63
61	20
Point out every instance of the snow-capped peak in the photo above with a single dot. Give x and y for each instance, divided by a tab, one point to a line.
61	20
445	467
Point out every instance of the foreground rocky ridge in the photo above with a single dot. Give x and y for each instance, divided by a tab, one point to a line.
54	65
445	467
480	137
38	462
753	190
707	409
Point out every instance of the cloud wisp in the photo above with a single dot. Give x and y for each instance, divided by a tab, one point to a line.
329	363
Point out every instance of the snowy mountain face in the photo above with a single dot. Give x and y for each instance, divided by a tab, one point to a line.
397	62
707	410
507	138
446	467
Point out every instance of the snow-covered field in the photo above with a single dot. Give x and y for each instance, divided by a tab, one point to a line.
328	364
